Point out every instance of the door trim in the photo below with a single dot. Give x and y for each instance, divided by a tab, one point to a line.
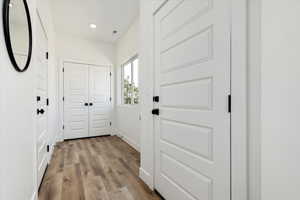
61	90
239	141
48	153
239	155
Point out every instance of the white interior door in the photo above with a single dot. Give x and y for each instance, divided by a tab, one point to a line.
99	100
192	131
42	95
76	98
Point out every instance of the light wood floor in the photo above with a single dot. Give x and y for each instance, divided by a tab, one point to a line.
103	168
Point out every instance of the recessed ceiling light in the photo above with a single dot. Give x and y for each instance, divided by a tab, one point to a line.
93	26
10	5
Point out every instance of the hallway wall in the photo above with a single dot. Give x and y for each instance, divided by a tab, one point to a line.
80	49
128	122
17	143
280	100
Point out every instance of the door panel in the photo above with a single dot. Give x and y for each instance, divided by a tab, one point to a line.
192	132
42	93
99	96
76	94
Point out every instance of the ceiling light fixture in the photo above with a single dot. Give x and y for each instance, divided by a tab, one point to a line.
93	26
10	5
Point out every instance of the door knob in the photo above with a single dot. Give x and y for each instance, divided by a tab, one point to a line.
91	104
40	111
155	112
86	104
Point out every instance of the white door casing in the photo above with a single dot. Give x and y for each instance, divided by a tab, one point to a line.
76	98
192	79
99	98
87	107
42	95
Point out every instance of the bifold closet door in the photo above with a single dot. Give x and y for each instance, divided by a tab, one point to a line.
99	100
76	97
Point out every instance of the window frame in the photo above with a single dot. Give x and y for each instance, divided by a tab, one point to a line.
130	61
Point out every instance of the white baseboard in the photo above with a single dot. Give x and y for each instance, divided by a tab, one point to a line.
59	137
129	141
147	178
114	131
34	196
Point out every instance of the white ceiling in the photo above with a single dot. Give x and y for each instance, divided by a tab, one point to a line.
72	17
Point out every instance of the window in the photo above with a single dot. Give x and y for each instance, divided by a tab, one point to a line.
130	82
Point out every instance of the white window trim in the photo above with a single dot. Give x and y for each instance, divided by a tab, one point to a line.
122	80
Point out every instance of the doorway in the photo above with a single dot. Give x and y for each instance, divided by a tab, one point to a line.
192	114
87	100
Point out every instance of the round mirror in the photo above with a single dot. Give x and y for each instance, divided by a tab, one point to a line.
18	33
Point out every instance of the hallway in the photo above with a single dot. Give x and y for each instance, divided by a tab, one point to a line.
102	168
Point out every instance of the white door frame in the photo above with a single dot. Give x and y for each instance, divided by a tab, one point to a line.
61	90
239	153
49	154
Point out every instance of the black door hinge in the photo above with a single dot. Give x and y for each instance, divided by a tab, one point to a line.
48	148
156	99
110	73
38	98
47	101
110	123
63	69
155	112
63	98
63	127
110	99
229	103
47	55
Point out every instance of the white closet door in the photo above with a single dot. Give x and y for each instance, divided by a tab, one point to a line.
76	96
192	59
99	100
42	94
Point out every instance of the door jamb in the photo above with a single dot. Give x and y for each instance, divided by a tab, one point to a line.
239	156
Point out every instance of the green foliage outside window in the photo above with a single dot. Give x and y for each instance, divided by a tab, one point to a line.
131	92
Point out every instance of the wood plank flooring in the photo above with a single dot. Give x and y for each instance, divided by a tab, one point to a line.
102	168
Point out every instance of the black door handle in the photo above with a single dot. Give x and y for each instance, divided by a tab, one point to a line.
155	112
40	111
86	104
91	104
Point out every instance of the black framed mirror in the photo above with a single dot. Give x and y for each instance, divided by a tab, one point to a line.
18	33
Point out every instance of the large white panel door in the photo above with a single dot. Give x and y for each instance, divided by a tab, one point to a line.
99	101
76	98
42	95
192	131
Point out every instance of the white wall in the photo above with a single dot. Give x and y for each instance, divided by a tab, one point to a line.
280	100
2	63
80	49
127	116
17	143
